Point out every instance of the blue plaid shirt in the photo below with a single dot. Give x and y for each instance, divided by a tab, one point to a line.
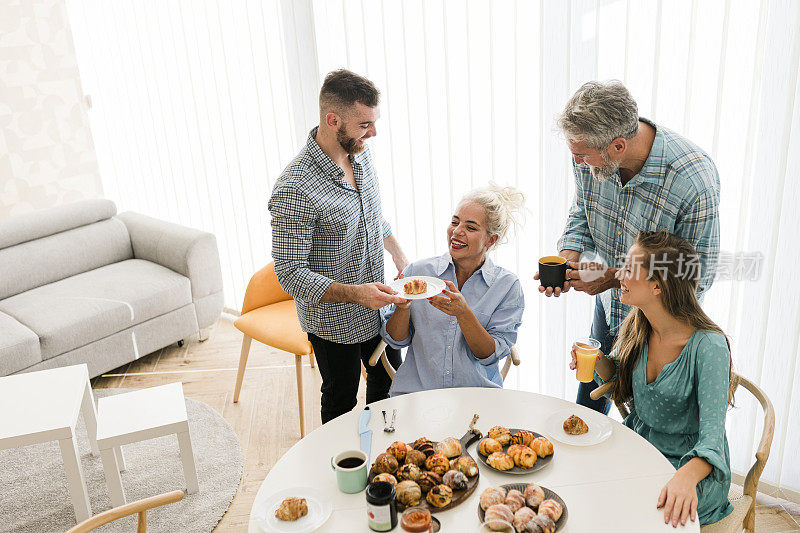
324	230
677	189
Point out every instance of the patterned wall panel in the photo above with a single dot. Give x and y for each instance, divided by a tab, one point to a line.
46	152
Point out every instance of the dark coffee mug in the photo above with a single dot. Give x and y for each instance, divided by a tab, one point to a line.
552	271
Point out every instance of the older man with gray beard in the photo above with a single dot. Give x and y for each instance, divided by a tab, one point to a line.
631	175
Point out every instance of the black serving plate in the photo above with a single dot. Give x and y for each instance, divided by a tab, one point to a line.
548	495
541	462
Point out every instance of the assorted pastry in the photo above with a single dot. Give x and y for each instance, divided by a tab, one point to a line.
575	426
528	511
415	286
523	450
425	471
291	509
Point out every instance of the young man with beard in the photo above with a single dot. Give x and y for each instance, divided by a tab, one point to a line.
631	175
328	236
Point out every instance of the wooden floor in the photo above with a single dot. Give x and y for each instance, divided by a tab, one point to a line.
266	418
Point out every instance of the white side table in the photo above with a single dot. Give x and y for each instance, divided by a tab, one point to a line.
137	416
42	406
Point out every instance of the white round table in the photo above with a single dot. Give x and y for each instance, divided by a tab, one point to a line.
612	486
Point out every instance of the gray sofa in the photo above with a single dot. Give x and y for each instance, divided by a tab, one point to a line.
80	284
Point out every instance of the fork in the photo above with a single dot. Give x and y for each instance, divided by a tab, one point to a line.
388	428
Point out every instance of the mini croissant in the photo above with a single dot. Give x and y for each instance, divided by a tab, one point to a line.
399	450
500	434
385	463
552	509
575	426
525	458
291	509
488	446
409	471
466	465
437	463
542	446
523	437
449	447
440	496
492	496
534	495
515	500
408	493
500	461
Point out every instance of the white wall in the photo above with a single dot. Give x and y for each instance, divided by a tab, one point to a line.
47	156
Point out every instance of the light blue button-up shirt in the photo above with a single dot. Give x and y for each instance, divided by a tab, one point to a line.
438	356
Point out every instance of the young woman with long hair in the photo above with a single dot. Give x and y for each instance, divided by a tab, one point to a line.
671	364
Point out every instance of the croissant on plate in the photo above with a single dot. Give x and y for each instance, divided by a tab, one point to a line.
542	446
575	426
500	434
492	496
552	509
449	447
465	464
515	450
408	493
455	480
385	463
496	514
440	496
425	446
500	461
409	471
546	525
515	500
399	450
488	446
534	495
437	463
428	480
291	509
526	458
415	457
523	520
415	286
523	437
385	477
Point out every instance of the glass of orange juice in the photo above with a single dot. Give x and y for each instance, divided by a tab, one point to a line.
586	351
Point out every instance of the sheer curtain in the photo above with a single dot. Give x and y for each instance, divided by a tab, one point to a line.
198	106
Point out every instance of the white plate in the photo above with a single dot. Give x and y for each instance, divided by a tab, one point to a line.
435	286
600	427
319	510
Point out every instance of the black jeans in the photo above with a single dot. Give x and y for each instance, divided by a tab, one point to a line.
600	332
339	365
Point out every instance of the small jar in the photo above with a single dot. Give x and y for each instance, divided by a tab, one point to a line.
416	520
381	510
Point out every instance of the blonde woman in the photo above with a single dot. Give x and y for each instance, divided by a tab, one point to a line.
456	339
672	365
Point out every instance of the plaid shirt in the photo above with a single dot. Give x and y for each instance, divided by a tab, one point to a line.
677	189
324	230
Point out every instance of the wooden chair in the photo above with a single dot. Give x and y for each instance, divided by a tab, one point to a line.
744	505
269	316
380	353
139	506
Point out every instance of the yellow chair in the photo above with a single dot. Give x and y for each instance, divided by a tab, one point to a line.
270	317
380	353
139	506
744	505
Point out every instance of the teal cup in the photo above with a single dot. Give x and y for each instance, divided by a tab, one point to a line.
351	471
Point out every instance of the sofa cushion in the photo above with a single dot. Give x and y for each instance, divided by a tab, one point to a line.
48	259
19	346
73	312
38	224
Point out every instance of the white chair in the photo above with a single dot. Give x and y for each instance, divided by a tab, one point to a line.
744	505
380	353
137	416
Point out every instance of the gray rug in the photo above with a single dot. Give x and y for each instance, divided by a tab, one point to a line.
33	486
